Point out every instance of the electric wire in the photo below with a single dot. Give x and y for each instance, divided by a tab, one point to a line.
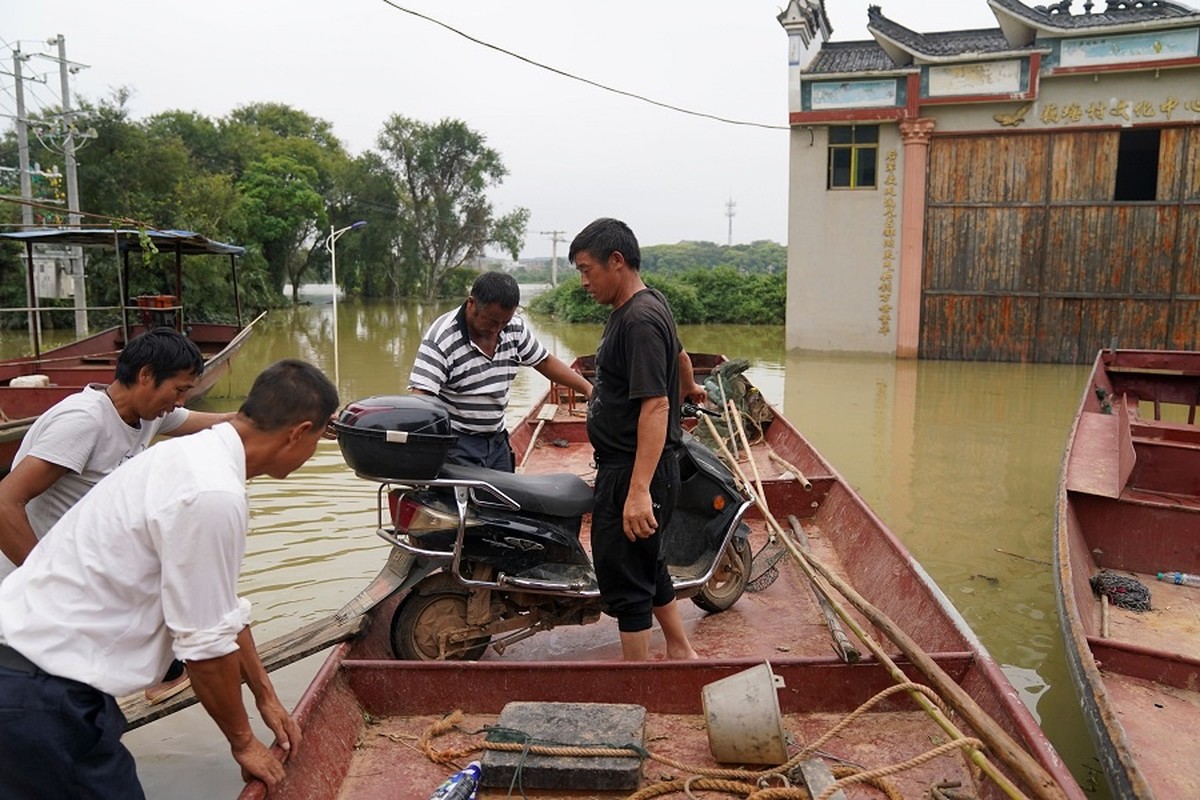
589	82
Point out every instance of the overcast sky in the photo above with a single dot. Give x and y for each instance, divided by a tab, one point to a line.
574	152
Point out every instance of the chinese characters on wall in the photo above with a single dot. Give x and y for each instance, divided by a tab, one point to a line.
889	243
1117	108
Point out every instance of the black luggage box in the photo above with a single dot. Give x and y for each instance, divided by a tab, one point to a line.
395	436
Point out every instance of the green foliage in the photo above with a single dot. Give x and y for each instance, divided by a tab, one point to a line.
570	302
698	296
761	257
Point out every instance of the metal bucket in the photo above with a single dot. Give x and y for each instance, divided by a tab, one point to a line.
741	713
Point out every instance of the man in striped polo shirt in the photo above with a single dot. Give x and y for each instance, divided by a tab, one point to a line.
469	357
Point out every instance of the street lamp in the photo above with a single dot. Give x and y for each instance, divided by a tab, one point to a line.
331	246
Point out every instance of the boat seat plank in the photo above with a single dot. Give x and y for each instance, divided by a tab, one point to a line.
1102	455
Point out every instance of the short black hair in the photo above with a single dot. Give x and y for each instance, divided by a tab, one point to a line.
166	351
287	393
606	236
496	287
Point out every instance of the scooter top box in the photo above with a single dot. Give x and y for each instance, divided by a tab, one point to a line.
395	436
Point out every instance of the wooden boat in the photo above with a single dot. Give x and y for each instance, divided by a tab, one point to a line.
365	713
92	359
1129	507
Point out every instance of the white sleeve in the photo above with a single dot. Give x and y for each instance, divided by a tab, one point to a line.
173	419
201	543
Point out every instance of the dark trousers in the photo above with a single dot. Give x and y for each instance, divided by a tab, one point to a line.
61	739
632	575
490	450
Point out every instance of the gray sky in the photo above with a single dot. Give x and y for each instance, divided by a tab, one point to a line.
573	152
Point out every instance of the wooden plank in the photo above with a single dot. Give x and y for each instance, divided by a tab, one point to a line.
1102	455
276	653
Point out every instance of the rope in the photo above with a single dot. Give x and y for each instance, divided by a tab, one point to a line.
730	781
1121	590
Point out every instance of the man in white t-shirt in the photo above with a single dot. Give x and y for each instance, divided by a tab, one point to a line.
81	439
143	568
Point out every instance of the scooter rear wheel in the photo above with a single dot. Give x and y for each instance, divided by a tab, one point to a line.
729	579
421	621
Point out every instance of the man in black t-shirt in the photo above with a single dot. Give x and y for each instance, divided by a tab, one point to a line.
633	423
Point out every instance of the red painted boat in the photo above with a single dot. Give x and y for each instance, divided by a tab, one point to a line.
1129	508
365	713
67	369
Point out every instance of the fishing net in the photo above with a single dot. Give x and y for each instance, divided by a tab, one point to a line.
728	384
1121	590
764	567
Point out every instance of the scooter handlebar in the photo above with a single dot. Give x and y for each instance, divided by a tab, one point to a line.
694	411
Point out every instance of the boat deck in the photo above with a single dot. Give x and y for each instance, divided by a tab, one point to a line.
374	771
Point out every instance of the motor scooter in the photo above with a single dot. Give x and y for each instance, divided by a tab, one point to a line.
490	558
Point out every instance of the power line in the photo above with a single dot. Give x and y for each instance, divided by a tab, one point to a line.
589	82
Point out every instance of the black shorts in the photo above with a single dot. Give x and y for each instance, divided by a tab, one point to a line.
632	575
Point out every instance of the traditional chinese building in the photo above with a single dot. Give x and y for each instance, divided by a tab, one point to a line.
1029	192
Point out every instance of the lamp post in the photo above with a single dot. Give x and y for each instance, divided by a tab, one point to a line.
331	246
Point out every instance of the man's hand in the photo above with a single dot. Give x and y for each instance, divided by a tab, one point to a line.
256	761
638	517
287	732
696	394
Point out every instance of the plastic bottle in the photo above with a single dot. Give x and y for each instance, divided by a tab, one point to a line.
1182	578
461	785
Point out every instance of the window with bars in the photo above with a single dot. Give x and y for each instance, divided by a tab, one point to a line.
853	156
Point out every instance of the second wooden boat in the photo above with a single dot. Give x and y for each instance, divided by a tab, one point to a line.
1128	509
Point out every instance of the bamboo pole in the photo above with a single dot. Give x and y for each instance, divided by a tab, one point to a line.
732	409
1007	750
805	482
841	643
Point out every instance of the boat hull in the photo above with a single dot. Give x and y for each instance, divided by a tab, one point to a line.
364	708
93	360
1129	503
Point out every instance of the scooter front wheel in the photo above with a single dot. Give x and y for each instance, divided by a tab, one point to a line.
729	579
423	624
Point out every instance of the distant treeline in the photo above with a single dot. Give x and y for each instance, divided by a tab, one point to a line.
704	282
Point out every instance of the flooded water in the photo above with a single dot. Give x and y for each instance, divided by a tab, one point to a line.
959	459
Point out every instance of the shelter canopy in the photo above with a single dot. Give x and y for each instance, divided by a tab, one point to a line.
129	240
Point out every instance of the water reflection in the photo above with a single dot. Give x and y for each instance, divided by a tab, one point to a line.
959	459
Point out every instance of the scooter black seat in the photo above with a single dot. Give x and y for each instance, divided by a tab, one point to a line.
561	494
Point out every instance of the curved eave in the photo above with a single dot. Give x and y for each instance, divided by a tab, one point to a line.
1016	27
918	58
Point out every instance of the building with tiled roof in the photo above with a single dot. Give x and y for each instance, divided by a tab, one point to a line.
1028	192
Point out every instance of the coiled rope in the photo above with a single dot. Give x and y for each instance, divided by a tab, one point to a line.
729	781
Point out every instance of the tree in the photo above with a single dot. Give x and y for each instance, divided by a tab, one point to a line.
442	172
282	207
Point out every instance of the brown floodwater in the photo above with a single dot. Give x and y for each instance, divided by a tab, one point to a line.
959	459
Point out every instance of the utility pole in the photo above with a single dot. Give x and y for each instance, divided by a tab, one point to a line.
729	212
26	184
65	68
555	238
